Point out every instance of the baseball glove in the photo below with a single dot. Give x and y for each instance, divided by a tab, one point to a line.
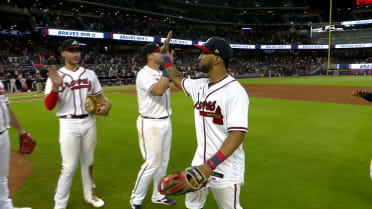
26	143
179	183
93	107
359	93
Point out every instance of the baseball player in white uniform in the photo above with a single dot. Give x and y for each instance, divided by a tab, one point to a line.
69	86
154	127
7	118
221	121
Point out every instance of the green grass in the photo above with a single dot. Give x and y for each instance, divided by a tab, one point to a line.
308	155
298	154
364	81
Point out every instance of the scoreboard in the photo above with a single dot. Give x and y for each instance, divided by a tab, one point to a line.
363	2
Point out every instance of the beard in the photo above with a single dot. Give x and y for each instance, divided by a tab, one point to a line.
205	68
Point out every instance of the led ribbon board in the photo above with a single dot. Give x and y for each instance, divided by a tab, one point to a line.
178	41
73	33
127	37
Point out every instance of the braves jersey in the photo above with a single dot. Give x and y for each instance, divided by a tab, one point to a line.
4	116
150	105
74	90
219	109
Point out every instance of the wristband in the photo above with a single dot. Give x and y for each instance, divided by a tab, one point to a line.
214	161
167	61
165	73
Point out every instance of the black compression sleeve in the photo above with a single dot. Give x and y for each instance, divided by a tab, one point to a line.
368	96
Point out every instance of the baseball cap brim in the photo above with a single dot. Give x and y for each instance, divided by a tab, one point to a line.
72	47
150	48
157	49
203	48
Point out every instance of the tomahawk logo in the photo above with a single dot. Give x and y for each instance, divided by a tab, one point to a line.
75	43
213	111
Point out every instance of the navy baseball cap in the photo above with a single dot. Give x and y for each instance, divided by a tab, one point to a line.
217	46
69	44
150	48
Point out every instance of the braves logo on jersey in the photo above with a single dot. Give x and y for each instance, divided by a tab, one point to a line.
77	84
212	111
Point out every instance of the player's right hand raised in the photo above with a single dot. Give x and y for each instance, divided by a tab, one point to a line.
165	48
57	80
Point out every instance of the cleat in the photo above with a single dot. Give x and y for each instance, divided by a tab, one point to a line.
96	202
136	206
165	201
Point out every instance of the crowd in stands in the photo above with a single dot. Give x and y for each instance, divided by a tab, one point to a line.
159	26
117	67
156	18
120	67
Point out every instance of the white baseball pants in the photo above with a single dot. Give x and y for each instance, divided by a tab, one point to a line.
226	198
77	138
155	136
5	202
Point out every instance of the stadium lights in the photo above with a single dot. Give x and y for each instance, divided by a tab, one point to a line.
246	28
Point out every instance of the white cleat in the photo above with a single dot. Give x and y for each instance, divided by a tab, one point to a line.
96	202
